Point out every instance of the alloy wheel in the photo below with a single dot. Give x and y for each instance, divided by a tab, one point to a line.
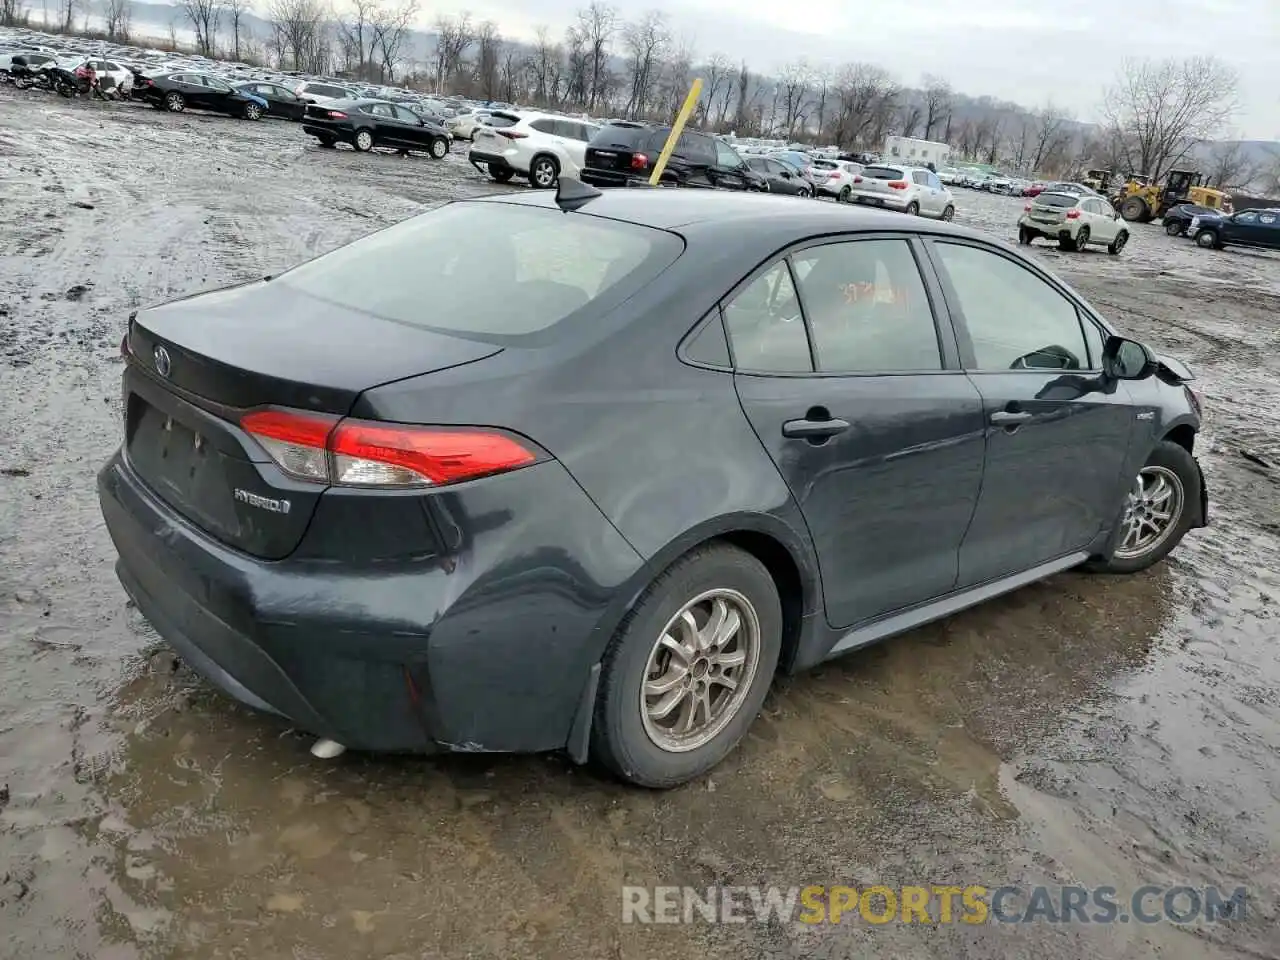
1151	512
364	140
700	670
544	174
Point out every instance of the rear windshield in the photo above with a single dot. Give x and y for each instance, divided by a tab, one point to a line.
626	137
324	90
491	271
826	165
1057	199
883	173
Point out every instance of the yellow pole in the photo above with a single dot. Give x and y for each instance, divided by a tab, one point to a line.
681	118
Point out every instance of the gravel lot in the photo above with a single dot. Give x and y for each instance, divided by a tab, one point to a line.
1085	730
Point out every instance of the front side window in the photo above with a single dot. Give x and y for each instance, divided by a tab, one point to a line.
407	116
1247	217
766	327
726	156
867	307
1016	321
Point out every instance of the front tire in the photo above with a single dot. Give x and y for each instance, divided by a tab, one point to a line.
1157	513
364	141
544	172
1082	240
252	111
948	213
688	669
1134	209
439	148
1116	245
1207	239
1175	228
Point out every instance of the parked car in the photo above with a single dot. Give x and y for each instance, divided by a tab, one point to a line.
1074	221
780	177
32	57
800	161
355	529
112	74
313	91
539	147
1033	189
1177	220
997	183
177	91
620	154
1078	189
281	101
365	124
1247	228
948	175
462	126
913	190
834	178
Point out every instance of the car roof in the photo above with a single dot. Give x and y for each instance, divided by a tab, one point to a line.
784	219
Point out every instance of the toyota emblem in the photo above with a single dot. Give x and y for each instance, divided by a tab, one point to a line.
163	363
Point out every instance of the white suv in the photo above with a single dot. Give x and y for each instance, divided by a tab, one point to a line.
914	190
834	178
1074	221
538	146
314	91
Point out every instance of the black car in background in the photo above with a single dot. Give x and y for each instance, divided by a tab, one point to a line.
421	493
365	124
281	101
1248	228
1178	219
177	90
781	177
624	154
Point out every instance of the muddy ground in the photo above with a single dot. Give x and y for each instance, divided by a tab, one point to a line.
1085	730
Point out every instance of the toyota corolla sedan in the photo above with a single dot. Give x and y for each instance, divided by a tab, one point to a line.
586	471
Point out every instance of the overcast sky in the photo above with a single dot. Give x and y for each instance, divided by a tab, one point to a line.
1027	51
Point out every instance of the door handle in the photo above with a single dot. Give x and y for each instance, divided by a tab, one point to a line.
814	429
1008	418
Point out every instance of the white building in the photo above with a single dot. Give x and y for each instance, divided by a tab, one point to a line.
919	152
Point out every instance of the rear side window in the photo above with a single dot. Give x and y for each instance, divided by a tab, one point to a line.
921	177
493	271
500	121
882	173
324	90
766	327
867	307
545	125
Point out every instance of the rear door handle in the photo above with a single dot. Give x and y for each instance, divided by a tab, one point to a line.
810	429
1007	418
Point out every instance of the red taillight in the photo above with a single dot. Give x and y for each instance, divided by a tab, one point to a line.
639	161
363	453
857	179
336	115
511	134
897	184
1073	214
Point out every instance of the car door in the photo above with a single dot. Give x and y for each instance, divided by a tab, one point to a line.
1107	218
855	391
1057	430
413	131
783	179
219	95
192	87
574	137
729	170
940	192
925	195
1268	229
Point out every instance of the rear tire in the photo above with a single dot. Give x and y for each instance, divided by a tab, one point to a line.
913	209
803	192
1176	468
845	193
175	102
1025	236
643	748
501	174
364	141
1134	209
328	143
544	172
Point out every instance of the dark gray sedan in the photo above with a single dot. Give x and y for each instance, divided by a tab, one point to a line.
584	472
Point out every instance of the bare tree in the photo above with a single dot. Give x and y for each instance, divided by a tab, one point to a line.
864	104
391	27
543	67
236	9
513	69
1162	109
118	16
676	80
299	34
488	59
910	115
1050	137
10	13
937	103
821	96
577	67
597	25
204	16
1229	167
453	36
793	86
644	42
356	35
717	82
67	14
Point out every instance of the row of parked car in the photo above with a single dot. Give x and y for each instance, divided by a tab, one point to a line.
1214	229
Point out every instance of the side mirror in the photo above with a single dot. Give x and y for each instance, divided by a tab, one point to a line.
1124	359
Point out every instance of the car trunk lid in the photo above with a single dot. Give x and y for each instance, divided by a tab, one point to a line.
197	364
877	179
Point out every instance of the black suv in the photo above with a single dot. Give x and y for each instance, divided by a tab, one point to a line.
623	154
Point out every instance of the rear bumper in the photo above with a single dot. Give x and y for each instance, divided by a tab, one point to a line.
888	201
323	132
488	648
490	160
